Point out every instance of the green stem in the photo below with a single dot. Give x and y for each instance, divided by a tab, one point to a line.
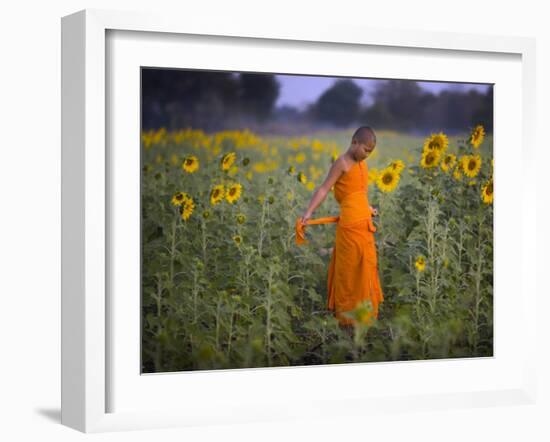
381	230
268	317
430	228
478	290
460	246
204	241
173	251
195	294
218	324
230	334
245	270
417	288
158	355
262	225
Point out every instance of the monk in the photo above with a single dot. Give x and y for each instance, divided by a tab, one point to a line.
353	270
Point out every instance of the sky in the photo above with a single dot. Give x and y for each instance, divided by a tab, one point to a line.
299	90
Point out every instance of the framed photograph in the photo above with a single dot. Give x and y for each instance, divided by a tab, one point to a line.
253	215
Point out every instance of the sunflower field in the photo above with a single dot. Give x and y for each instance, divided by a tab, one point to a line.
224	284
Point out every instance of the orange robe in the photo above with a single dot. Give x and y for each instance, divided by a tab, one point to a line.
353	270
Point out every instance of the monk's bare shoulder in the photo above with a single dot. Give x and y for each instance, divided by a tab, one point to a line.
340	165
336	170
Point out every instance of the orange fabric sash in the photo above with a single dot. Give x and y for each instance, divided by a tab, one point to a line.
300	229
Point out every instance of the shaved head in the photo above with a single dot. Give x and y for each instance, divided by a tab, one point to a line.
364	135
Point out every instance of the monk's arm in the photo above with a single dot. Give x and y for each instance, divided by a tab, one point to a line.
317	198
321	192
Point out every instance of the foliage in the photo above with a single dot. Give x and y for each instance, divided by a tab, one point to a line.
226	286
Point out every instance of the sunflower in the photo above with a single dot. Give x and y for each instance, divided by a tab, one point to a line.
457	174
430	158
228	160
302	178
238	239
437	142
487	192
477	136
397	165
310	185
233	193
186	209
190	164
174	159
471	165
241	218
387	180
179	198
206	214
448	162
246	161
216	195
420	263
373	175
364	314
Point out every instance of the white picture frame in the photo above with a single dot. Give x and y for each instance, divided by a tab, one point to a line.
86	315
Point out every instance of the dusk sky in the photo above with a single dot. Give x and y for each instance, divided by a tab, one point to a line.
299	90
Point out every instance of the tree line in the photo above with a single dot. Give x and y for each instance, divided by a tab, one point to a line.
209	100
212	101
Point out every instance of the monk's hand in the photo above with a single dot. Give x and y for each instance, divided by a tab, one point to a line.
305	219
374	211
